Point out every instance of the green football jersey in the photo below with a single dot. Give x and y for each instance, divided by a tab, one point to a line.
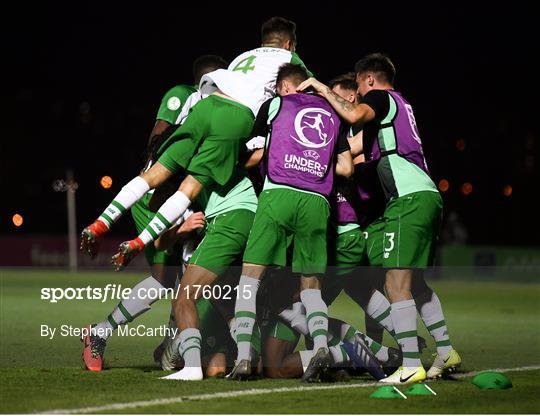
173	102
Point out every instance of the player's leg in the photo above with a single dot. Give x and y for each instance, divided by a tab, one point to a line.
317	320
175	154
429	207
279	358
343	343
430	310
143	295
347	254
164	269
398	290
403	314
132	192
180	149
267	245
350	253
187	320
224	242
408	243
344	256
374	318
348	345
310	259
377	307
167	215
225	125
215	337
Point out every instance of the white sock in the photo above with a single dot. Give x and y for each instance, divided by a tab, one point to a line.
305	357
130	193
245	313
339	354
380	351
296	317
403	315
378	308
317	316
432	315
143	294
345	331
190	347
168	213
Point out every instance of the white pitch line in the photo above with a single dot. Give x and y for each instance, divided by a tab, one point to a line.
250	392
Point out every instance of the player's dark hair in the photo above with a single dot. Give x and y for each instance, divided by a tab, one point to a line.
293	72
378	63
346	81
277	30
207	63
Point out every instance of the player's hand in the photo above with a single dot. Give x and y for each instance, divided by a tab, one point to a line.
313	84
194	222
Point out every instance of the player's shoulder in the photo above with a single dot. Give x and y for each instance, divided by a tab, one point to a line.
376	93
375	97
181	89
177	96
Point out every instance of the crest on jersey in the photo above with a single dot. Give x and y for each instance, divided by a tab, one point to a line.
314	127
173	103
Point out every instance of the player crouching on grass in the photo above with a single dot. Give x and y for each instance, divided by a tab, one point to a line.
303	138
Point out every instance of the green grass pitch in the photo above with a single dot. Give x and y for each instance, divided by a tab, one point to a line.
492	325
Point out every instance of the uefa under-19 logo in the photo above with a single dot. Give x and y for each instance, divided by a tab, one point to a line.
314	127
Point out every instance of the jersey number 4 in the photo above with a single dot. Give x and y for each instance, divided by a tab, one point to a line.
245	64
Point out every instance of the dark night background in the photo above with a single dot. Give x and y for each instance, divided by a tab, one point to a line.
82	87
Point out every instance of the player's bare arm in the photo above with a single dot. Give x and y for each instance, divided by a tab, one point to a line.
357	144
159	127
254	158
350	112
344	165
